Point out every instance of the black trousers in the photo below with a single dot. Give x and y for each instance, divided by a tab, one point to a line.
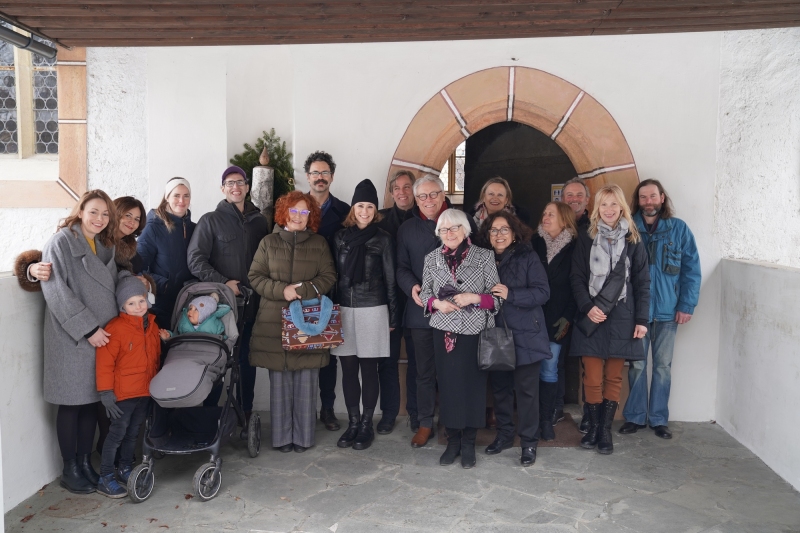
247	374
389	375
123	433
426	375
525	382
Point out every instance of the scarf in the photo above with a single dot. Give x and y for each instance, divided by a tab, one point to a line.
606	250
481	213
356	239
554	244
453	259
434	219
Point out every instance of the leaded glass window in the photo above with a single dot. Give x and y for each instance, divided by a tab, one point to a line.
8	100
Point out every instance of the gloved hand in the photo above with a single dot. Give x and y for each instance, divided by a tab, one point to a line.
562	326
109	401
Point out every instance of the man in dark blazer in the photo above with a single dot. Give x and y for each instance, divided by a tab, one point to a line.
320	169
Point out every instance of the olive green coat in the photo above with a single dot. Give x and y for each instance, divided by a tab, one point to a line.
283	258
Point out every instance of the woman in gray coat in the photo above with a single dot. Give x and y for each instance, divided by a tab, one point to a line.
80	299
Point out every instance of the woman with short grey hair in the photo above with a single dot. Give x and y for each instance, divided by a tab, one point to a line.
456	283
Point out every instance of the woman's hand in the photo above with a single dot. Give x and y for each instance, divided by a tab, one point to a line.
40	271
444	306
99	339
467	298
146	283
639	332
596	315
290	292
500	290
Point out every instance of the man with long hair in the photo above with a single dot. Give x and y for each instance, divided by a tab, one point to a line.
674	289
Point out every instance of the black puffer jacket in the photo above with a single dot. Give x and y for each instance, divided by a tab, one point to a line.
416	238
521	271
561	303
378	287
614	337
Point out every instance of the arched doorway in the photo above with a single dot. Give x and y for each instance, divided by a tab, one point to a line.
579	124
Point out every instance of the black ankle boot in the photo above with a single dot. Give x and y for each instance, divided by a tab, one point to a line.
85	466
453	449
584	425
365	432
604	442
547	401
468	447
74	481
589	440
349	436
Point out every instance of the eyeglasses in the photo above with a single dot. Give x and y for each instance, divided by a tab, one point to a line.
237	183
422	197
451	229
294	211
128	216
324	174
494	232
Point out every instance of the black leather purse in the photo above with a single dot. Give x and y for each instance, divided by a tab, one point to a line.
606	300
496	348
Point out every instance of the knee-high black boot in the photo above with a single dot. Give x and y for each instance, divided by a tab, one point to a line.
589	440
453	449
349	436
604	442
365	432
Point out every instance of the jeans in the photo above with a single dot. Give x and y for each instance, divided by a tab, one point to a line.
549	368
246	372
123	434
662	337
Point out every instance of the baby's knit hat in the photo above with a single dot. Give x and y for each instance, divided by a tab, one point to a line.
129	285
205	305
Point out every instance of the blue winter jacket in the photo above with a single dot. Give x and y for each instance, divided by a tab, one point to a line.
674	268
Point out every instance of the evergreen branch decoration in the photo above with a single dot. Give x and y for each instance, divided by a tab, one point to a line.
280	159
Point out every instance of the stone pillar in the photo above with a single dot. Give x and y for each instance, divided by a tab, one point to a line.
261	193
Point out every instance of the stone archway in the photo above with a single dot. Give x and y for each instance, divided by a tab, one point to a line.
578	123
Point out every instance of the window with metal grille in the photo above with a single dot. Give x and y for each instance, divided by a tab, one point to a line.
8	100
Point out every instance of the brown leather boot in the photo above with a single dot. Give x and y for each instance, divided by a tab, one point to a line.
422	437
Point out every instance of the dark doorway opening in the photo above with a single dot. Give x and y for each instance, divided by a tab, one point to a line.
532	163
526	157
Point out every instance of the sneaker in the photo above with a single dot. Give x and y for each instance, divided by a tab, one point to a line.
123	473
108	486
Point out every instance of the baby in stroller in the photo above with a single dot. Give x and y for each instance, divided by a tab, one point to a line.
203	316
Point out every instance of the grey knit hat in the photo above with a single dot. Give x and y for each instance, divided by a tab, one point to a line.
205	305
128	286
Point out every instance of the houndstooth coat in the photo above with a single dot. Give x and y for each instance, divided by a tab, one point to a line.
80	296
476	274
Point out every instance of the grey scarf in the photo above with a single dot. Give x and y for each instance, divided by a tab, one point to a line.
554	244
606	249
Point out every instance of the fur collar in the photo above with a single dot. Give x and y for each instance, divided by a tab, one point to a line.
554	245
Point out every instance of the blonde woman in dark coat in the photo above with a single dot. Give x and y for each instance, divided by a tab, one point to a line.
80	298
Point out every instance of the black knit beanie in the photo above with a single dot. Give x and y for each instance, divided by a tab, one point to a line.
365	192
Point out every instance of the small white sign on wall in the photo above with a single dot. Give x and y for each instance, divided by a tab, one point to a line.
555	192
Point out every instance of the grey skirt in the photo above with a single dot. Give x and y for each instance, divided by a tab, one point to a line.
365	331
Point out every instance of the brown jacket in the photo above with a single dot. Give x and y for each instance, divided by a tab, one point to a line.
286	257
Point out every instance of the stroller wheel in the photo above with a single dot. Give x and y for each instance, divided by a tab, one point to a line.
204	486
141	483
254	435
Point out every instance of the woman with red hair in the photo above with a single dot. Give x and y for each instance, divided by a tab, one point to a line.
293	263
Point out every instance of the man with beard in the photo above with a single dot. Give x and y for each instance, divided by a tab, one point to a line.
320	168
674	289
415	239
402	188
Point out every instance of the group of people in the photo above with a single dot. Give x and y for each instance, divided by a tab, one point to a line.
419	271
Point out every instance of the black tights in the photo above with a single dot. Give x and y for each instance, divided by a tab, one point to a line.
75	426
365	391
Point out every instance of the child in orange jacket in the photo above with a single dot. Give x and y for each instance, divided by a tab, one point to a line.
124	369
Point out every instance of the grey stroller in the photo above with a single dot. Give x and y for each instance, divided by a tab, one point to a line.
179	423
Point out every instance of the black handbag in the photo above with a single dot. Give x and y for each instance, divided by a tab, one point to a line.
496	348
606	300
